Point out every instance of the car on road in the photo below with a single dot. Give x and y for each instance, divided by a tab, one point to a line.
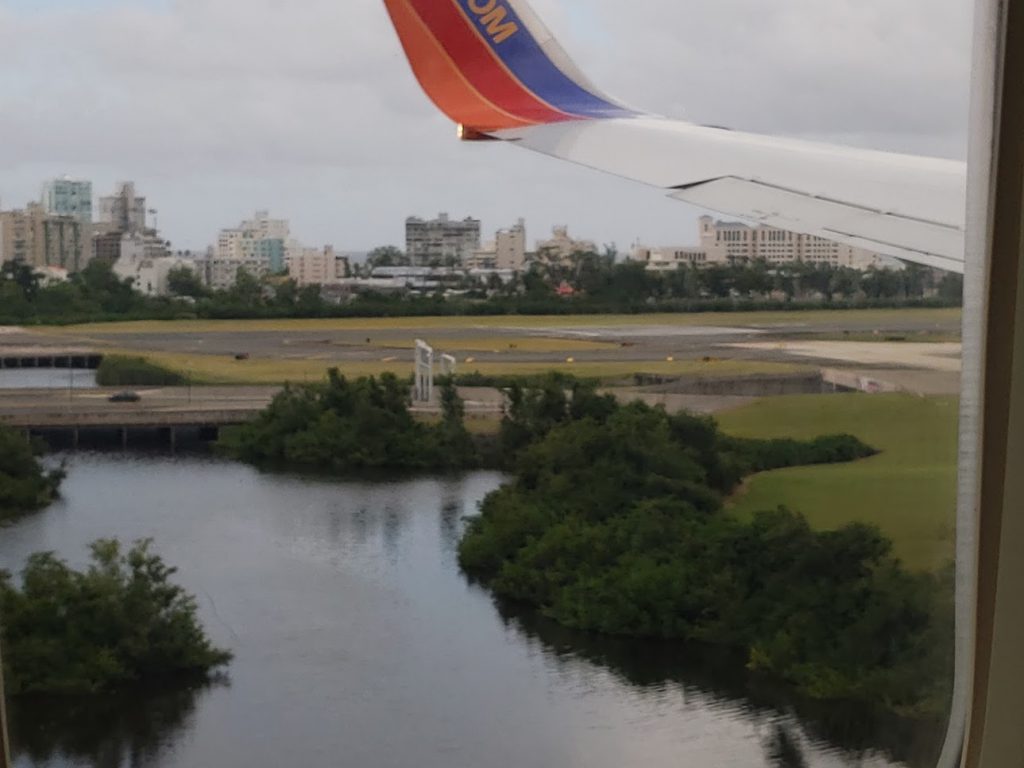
125	397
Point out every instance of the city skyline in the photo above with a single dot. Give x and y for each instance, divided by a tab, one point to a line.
333	133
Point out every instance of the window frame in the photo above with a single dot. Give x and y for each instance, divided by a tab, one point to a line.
985	729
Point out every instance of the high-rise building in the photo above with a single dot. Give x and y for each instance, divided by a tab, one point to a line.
441	241
506	252
124	211
16	237
39	239
510	245
69	197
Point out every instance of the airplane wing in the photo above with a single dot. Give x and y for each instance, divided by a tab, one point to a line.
493	68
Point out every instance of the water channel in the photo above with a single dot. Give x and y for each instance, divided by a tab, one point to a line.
47	378
358	642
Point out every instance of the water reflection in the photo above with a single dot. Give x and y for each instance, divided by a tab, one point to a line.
783	749
129	730
717	677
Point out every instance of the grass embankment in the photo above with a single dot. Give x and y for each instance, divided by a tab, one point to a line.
126	371
222	369
877	317
908	490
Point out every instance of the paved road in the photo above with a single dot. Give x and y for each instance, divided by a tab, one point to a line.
40	408
173	406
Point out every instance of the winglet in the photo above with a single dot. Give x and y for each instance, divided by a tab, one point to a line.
492	65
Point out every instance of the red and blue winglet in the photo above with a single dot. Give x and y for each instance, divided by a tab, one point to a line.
491	65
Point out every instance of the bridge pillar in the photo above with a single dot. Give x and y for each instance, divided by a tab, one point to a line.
74	438
124	438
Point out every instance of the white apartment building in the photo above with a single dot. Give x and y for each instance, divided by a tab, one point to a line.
148	267
507	252
266	228
259	238
729	242
560	248
312	266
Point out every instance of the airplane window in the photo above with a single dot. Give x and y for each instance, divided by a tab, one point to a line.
646	452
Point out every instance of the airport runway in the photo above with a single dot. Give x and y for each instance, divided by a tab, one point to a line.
796	337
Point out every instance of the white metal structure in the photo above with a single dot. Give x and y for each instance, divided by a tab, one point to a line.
424	389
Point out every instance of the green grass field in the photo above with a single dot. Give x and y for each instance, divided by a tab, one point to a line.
879	317
908	491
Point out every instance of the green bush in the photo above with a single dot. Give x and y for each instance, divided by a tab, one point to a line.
118	623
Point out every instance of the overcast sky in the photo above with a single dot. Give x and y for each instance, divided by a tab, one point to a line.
307	107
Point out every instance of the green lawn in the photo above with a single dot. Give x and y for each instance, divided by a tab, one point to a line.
909	490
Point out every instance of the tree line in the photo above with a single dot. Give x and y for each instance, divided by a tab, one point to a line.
602	279
600	286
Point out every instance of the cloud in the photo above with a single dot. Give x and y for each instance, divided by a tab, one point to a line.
217	107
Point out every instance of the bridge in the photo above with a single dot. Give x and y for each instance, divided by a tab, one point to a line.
48	357
170	410
166	409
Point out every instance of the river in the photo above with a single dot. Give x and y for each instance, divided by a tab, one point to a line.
358	643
